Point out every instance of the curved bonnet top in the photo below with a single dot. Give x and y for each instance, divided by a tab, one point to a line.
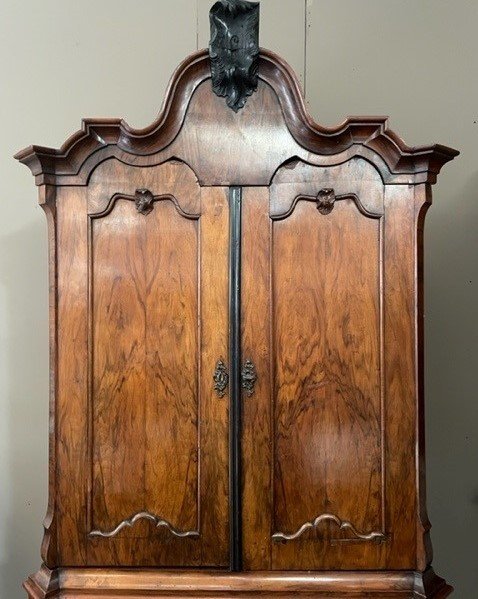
267	126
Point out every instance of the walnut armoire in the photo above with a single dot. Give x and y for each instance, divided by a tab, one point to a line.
236	307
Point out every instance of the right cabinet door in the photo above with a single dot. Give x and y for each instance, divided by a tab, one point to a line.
317	490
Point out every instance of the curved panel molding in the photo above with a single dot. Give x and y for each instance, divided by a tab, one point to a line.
326	200
343	525
357	175
159	522
144	200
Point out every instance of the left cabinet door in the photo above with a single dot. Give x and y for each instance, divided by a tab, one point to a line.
142	449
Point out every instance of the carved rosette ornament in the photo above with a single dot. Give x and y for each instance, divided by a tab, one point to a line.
325	201
144	201
234	50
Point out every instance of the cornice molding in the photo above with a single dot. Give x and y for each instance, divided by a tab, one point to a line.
115	137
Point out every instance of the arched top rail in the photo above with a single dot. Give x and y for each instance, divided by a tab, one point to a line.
284	114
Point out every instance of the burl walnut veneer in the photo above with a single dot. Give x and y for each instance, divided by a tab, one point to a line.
236	345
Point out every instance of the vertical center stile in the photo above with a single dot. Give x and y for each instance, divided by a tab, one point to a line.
235	216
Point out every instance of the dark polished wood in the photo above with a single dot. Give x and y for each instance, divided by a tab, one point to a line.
321	453
234	50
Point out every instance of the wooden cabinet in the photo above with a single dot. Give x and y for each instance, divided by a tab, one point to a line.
236	351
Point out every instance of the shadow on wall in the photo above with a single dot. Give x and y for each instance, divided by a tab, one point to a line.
451	238
23	267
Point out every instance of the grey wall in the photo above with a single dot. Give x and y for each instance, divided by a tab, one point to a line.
416	60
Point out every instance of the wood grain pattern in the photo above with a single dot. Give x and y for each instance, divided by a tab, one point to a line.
327	380
214	345
332	320
144	285
401	439
356	176
49	549
155	332
257	412
367	136
72	377
358	585
345	294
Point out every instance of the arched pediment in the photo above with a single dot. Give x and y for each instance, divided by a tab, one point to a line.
242	148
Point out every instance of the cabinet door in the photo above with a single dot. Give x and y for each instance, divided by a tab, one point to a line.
156	461
314	446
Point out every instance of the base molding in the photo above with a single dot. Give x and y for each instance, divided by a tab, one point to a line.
73	583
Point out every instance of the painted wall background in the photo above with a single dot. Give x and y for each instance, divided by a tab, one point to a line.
416	60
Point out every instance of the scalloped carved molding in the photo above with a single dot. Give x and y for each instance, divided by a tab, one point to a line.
343	525
158	521
114	137
326	200
144	200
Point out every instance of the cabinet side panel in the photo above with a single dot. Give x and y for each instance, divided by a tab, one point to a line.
400	381
49	548
423	200
72	393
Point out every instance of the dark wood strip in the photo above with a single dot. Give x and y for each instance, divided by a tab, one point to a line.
235	203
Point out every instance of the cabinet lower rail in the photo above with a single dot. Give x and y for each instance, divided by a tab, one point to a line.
72	583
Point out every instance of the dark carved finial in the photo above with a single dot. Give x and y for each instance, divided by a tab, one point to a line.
234	50
325	201
144	201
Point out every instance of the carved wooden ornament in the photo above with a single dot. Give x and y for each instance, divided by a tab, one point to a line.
234	50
